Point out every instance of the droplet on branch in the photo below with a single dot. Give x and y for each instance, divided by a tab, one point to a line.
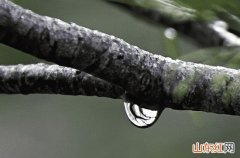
139	116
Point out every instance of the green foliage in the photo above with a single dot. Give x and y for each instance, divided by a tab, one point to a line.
185	9
232	20
218	56
202	6
181	10
173	9
208	10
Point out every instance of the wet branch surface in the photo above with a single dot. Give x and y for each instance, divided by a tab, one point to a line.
148	79
53	79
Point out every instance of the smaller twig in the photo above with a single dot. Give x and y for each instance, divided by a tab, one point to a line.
204	33
53	79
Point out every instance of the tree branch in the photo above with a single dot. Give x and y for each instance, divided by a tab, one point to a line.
204	33
149	79
53	79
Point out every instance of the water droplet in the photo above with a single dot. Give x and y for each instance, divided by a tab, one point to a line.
141	117
170	33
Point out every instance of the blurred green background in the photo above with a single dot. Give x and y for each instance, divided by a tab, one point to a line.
54	126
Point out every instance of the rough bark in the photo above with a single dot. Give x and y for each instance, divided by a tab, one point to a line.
53	79
148	79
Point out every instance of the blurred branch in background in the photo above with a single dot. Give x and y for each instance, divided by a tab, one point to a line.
53	79
170	14
148	79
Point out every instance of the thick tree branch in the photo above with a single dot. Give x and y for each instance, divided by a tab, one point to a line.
204	33
149	79
53	79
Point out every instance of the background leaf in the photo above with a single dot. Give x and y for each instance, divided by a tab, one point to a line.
170	8
217	56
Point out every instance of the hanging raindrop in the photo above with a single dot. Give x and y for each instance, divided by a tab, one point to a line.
141	117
